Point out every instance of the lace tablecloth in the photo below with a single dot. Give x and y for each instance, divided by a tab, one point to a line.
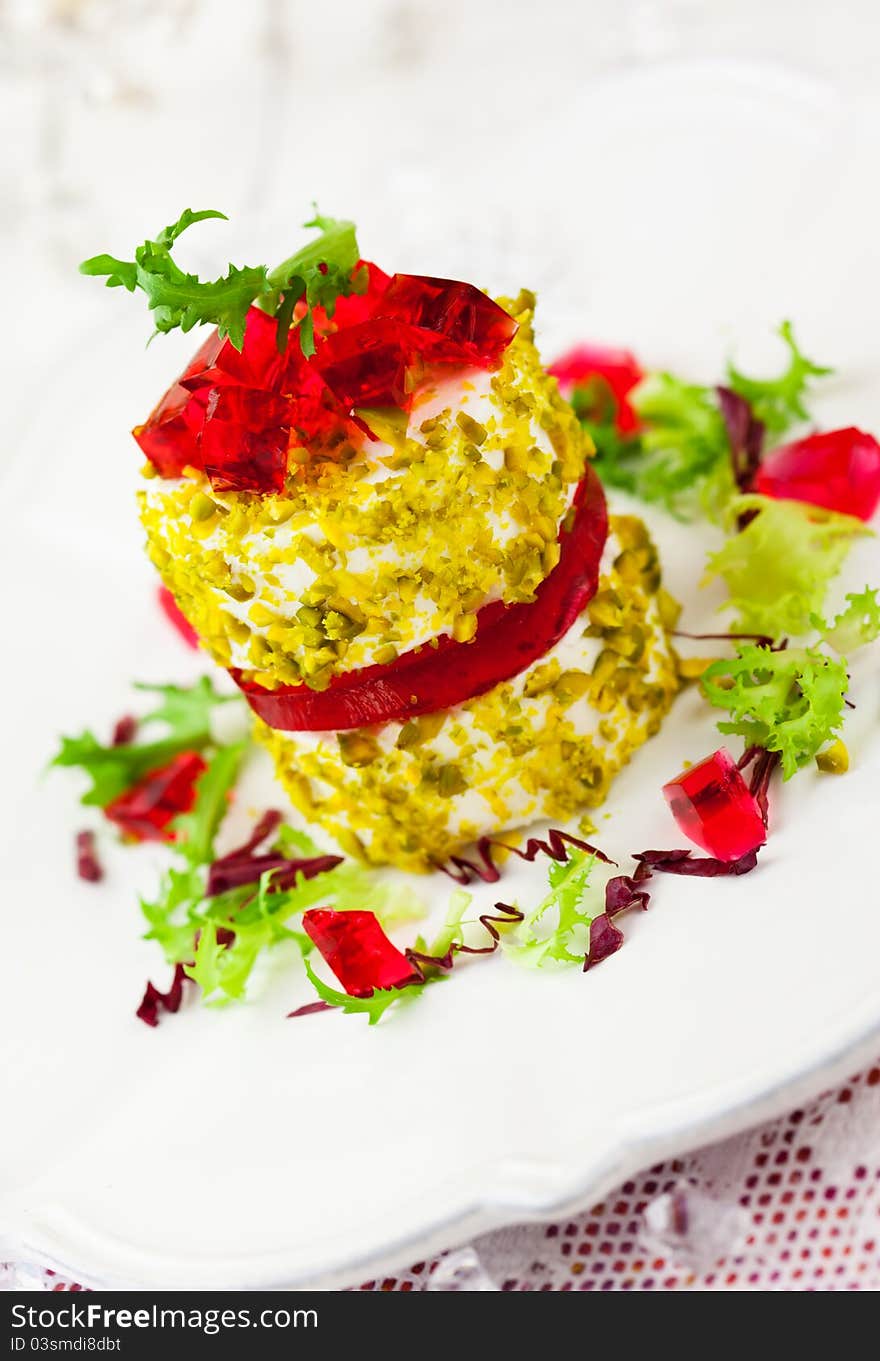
790	1205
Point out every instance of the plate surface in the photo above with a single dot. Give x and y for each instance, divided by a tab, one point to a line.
234	1148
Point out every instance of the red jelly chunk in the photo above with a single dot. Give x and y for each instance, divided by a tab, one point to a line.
145	811
245	440
172	612
839	470
358	951
472	322
170	438
607	373
367	365
713	807
257	365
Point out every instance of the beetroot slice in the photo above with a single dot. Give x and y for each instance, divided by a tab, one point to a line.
508	639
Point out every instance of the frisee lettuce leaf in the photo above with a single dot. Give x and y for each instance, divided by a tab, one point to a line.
185	711
197	829
683	442
780	403
855	626
318	274
452	931
565	939
790	700
778	568
373	1007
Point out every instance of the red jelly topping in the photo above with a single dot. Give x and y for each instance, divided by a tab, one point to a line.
839	470
144	811
172	612
234	414
88	866
508	639
416	323
613	373
358	951
713	807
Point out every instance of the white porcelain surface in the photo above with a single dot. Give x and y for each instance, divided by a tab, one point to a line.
682	208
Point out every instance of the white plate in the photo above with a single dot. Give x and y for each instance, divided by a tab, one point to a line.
236	1148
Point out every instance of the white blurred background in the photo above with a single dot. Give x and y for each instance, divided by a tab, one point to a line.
468	138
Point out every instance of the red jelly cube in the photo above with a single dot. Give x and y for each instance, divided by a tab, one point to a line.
609	375
178	621
839	469
366	365
258	364
245	440
145	811
358	951
713	807
171	436
167	437
472	322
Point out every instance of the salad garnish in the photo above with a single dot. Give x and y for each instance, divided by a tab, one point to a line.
316	276
184	713
463	870
682	445
699	866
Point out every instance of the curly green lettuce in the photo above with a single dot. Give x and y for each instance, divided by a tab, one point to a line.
778	568
680	457
557	931
780	403
789	701
855	626
675	458
318	274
